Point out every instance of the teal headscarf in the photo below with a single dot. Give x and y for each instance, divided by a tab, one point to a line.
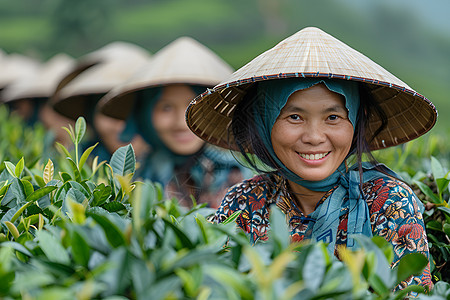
275	94
325	219
160	164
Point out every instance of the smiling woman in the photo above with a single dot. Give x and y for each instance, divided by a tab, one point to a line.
153	102
306	109
168	120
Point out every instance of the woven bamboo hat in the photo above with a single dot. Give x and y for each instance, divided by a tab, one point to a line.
15	66
314	53
42	82
95	75
184	61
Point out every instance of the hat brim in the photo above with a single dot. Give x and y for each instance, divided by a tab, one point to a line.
183	61
314	53
409	114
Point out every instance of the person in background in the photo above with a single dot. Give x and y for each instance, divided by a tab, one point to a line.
15	66
153	103
28	96
90	79
306	115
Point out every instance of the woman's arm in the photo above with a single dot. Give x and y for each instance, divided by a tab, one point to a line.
400	222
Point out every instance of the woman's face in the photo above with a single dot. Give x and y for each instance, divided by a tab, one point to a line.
169	121
312	135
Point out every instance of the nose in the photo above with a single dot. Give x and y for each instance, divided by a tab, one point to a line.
313	134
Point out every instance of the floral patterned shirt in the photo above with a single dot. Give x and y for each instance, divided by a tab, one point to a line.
393	207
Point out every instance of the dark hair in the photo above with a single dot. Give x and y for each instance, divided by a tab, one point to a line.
248	140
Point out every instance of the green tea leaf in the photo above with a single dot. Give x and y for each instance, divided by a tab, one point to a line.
10	168
27	187
402	294
378	285
442	185
114	206
33	219
19	168
17	247
38	194
39	180
18	190
80	249
48	171
63	149
444	209
314	267
428	192
76	195
184	239
4	188
82	187
80	129
70	132
76	210
434	225
101	194
85	155
410	264
278	227
75	170
232	217
114	235
436	168
123	161
231	278
52	247
65	176
447	229
385	247
12	229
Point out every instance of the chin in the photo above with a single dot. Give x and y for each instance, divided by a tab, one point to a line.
186	150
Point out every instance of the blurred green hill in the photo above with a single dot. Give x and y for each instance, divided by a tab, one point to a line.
397	37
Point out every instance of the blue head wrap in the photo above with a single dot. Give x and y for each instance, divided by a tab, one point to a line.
275	95
325	219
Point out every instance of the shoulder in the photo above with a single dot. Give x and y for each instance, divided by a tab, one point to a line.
385	191
256	186
249	194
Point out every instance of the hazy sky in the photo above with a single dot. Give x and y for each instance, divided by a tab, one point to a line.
434	12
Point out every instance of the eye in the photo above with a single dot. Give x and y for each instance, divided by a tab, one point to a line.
166	107
333	117
295	117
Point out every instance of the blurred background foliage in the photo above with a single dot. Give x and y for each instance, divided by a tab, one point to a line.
411	39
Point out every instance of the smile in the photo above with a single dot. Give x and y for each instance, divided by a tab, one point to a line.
313	156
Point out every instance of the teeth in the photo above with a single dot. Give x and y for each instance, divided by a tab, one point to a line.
313	156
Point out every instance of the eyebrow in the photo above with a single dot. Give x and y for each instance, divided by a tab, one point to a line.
293	108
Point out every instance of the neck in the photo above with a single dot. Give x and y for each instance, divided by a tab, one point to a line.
305	199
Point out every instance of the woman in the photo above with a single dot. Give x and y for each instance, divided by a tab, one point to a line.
29	95
93	75
310	106
154	102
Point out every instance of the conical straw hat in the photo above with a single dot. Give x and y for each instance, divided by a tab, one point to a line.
15	66
42	82
314	53
118	62
109	52
184	61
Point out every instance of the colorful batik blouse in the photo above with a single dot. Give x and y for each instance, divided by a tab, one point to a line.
393	207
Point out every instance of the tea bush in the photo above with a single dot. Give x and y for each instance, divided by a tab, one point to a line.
84	229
